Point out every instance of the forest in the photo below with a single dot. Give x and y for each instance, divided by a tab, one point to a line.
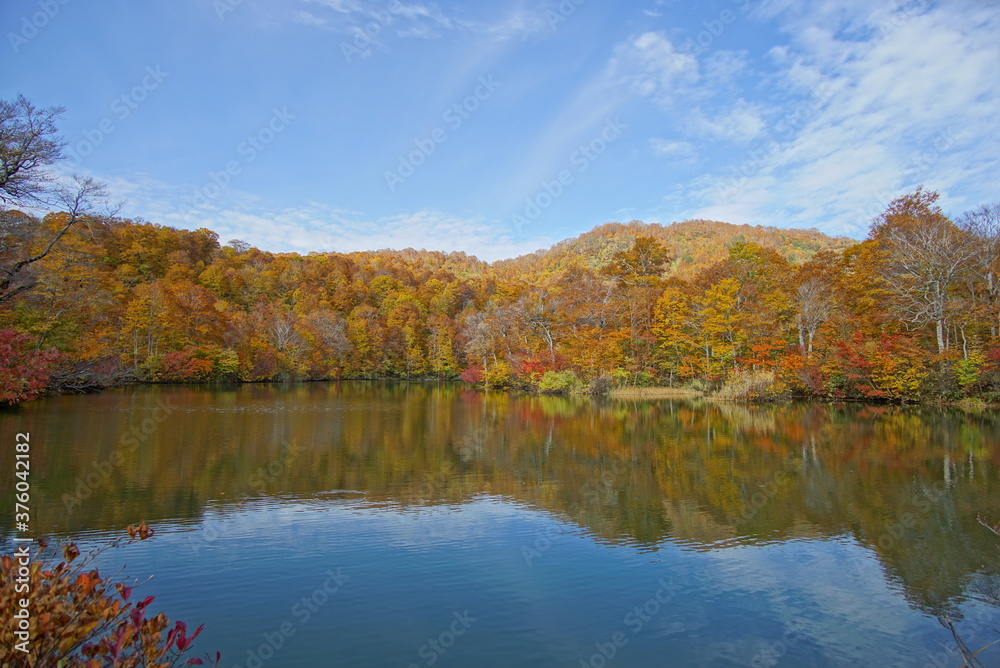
89	300
909	313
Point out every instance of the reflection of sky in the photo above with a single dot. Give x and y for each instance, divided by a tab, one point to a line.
543	590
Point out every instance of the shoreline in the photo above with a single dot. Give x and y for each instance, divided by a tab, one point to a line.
651	393
654	393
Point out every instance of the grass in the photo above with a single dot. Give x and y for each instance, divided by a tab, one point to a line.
654	393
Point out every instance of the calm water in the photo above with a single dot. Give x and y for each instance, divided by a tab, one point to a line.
378	524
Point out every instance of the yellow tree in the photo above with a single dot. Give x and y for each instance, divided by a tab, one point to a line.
719	326
672	326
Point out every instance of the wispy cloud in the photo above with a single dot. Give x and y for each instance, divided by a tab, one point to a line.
317	227
679	151
651	66
742	123
865	116
373	19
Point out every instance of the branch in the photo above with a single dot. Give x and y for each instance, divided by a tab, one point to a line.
995	528
79	203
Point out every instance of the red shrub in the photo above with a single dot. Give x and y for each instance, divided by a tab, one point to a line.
24	371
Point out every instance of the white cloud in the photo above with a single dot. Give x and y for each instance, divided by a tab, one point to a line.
722	66
376	18
428	229
742	123
517	23
318	227
652	67
679	151
913	101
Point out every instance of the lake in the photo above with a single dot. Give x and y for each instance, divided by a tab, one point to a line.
419	524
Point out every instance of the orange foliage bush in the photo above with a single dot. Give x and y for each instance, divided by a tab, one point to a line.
81	619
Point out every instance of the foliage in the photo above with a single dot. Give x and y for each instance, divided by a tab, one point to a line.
695	303
559	382
886	367
969	369
80	618
499	376
193	364
29	148
24	371
747	385
474	374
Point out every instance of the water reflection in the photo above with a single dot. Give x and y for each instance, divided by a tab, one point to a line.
905	483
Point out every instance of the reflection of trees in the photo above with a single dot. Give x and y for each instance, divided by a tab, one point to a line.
907	482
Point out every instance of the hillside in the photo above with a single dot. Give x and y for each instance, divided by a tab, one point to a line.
696	244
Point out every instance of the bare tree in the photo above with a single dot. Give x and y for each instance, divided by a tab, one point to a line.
25	240
970	656
282	330
331	333
983	226
29	146
239	245
814	304
29	142
926	255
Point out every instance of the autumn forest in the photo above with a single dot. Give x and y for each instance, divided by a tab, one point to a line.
910	313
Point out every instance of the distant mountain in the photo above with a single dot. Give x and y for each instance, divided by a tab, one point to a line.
695	244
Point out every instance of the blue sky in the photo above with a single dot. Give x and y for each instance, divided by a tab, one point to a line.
500	128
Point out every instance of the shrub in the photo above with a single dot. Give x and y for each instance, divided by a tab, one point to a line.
888	367
474	374
601	384
80	619
747	385
968	370
194	364
700	385
499	375
558	382
24	371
